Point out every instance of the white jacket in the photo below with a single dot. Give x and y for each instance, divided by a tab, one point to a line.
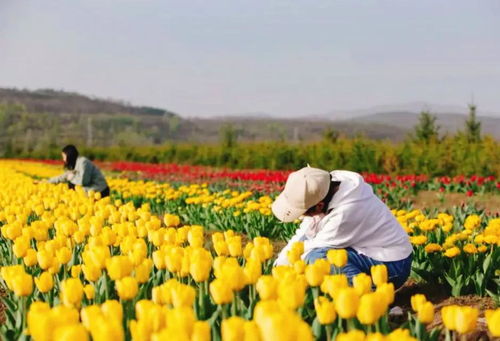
356	218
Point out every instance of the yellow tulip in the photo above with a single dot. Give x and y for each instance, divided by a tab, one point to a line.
267	287
293	256
119	267
291	293
482	248
142	308
182	318
20	247
325	310
234	246
173	260
233	329
493	321
299	266
416	301
143	270
252	270
70	333
91	272
71	292
347	302
140	330
466	319
375	337
127	288
45	259
379	274
38	318
217	236
44	282
452	252
182	295
159	259
221	248
353	335
333	283
362	283
76	270
400	334
448	314
252	332
22	284
99	256
247	251
233	275
370	308
201	331
107	329
470	248
171	220
200	269
221	292
89	291
30	258
337	257
425	312
161	295
63	255
387	292
112	309
314	275
432	247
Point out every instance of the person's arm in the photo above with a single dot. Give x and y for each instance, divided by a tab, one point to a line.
334	233
83	174
300	235
58	179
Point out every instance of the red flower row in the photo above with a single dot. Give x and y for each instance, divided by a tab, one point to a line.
277	177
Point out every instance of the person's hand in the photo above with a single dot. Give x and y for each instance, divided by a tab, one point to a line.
71	175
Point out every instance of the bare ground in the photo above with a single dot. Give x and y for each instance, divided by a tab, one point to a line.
430	199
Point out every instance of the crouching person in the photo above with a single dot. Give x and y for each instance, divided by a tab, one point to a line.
340	211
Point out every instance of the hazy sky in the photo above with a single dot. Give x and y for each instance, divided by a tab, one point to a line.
295	57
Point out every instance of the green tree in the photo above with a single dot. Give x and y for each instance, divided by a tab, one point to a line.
229	136
473	126
330	135
426	129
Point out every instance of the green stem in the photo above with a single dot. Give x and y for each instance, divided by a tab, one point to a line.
224	311
350	324
25	305
448	335
315	292
418	330
328	329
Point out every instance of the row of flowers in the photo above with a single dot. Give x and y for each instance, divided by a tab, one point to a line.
272	180
464	243
77	266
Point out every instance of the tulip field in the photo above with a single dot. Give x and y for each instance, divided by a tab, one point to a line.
186	253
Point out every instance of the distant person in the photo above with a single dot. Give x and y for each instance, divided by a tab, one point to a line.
80	171
341	211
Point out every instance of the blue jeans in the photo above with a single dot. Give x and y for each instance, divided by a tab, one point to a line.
398	271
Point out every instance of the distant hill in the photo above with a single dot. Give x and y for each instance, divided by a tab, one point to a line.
300	129
40	118
62	102
31	120
448	122
411	107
